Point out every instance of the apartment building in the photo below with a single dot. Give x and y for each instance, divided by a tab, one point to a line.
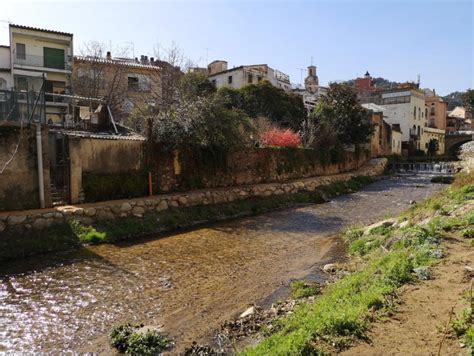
37	58
237	77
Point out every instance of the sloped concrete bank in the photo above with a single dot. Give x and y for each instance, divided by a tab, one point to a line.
38	224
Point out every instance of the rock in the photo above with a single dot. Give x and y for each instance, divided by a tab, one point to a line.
248	312
138	210
125	207
48	215
104	215
90	211
163	205
16	219
330	267
58	215
383	223
423	273
3	226
40	224
412	202
182	200
403	224
173	204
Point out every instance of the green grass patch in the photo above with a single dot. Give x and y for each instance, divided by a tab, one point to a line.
302	289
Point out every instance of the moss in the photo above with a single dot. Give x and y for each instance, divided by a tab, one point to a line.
101	187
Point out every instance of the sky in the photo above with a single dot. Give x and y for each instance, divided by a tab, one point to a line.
394	39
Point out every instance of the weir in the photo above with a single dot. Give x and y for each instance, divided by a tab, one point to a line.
447	168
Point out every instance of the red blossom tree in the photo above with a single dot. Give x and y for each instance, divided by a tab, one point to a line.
281	138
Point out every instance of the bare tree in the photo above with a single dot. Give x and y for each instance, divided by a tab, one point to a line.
96	75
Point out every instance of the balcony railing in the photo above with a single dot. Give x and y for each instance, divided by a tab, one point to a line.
39	61
414	133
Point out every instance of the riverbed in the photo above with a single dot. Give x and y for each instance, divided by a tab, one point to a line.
189	282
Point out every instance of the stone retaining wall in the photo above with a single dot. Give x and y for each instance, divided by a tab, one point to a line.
92	213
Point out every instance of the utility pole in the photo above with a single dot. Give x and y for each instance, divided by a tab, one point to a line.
301	75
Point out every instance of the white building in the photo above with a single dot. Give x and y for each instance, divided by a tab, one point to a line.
406	107
237	77
34	54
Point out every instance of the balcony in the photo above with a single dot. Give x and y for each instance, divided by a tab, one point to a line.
414	134
53	64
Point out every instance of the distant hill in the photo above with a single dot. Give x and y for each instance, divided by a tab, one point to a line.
454	99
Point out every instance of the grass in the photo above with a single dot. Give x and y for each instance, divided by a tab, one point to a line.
390	257
302	289
127	338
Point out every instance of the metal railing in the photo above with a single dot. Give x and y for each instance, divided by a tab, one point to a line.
39	61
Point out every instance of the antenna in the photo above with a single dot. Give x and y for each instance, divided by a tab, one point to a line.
419	76
311	60
207	55
301	76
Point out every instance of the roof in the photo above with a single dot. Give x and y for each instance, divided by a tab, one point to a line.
237	68
115	61
128	136
373	107
42	30
4	46
458	112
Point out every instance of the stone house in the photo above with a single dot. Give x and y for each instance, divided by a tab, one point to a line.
381	139
237	77
121	82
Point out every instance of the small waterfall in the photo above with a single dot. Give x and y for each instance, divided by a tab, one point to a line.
424	167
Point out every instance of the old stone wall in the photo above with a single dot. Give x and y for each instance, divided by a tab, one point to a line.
19	181
180	171
93	213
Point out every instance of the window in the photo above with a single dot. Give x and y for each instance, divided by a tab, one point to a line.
229	79
432	110
21	83
20	51
414	113
259	79
250	79
53	58
3	84
132	83
419	113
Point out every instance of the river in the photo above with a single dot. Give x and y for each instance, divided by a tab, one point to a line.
188	282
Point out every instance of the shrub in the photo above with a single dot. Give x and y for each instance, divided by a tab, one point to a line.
281	138
87	234
130	339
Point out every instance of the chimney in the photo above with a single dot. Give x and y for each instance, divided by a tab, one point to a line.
136	60
152	61
108	56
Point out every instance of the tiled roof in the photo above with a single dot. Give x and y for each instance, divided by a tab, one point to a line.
41	29
115	61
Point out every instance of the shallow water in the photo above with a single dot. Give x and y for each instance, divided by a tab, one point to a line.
189	282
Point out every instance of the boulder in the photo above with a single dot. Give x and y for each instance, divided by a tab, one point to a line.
125	207
3	226
162	205
330	267
138	210
182	200
16	219
40	224
90	211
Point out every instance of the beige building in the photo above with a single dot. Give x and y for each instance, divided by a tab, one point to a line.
396	146
436	109
237	77
123	83
432	133
33	55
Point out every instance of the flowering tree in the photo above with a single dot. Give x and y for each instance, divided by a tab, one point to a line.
281	138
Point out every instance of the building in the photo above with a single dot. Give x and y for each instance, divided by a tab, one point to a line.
433	133
365	87
237	77
459	119
405	106
35	59
312	90
435	110
122	82
396	140
381	140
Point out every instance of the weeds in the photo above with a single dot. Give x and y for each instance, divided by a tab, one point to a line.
130	339
302	289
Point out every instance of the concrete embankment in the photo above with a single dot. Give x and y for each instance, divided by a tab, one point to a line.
38	224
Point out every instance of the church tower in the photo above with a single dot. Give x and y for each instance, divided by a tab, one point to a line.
311	82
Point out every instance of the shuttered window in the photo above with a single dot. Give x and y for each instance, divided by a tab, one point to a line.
53	58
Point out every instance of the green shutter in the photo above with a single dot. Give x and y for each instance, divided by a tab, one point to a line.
53	58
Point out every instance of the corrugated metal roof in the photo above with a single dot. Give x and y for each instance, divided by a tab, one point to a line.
115	62
41	29
102	135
